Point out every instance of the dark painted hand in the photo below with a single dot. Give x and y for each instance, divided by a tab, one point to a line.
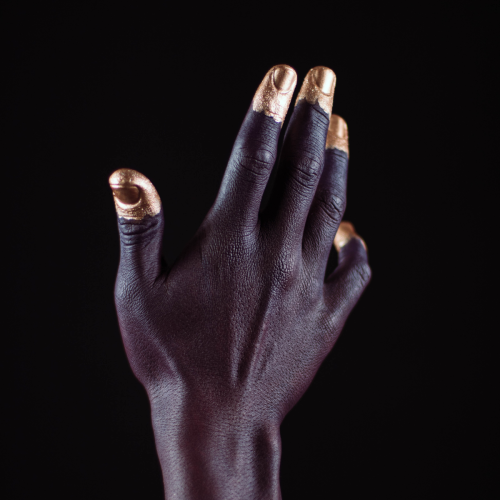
228	339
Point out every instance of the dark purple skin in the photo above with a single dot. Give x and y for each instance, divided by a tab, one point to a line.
228	339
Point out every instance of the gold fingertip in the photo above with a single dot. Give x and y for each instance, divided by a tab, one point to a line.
275	92
338	135
318	87
345	233
134	194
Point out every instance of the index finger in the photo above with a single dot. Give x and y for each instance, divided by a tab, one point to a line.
255	149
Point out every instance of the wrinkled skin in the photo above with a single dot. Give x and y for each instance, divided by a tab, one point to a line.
227	340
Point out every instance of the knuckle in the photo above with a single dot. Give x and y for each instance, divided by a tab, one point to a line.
285	268
135	233
263	156
362	273
306	173
332	205
256	163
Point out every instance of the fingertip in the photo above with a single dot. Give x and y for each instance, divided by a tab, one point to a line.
134	194
338	134
275	92
318	87
284	78
339	120
346	233
325	79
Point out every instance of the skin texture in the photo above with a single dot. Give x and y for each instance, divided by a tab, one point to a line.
227	340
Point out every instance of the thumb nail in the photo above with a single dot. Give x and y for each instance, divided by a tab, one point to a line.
134	194
128	195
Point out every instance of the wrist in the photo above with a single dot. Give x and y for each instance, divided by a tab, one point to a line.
213	452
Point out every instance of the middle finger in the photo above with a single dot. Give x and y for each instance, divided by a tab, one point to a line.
302	156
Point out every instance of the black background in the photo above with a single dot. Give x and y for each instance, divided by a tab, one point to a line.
404	406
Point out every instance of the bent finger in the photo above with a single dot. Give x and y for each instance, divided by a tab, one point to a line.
255	149
344	286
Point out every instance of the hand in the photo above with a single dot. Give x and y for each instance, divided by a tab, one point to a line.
227	340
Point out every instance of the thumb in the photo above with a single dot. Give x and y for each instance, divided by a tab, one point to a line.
140	224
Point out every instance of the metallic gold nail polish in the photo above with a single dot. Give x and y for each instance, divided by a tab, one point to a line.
338	136
344	234
134	194
275	92
318	87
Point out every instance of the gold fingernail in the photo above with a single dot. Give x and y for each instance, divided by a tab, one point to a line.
318	87
338	136
275	92
345	233
127	195
134	194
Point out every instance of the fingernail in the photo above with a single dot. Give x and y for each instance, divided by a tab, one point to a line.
338	136
324	78
345	233
128	195
319	87
275	92
134	194
284	78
